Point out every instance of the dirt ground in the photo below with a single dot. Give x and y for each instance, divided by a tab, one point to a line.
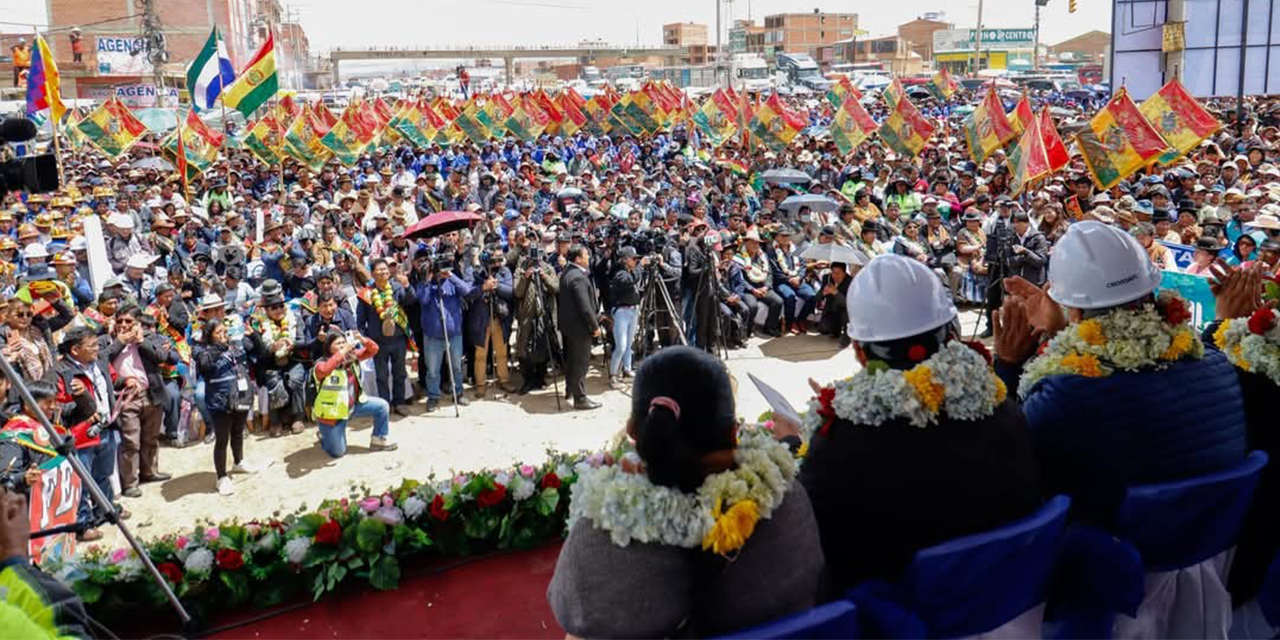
489	433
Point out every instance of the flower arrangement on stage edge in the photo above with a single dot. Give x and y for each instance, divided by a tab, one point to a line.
363	537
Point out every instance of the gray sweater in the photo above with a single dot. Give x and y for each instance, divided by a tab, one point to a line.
647	590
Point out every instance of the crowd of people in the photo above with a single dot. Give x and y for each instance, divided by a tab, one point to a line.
257	291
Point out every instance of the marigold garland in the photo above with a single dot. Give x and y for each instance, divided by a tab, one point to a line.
1153	335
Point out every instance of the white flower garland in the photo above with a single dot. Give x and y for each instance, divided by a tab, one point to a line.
630	507
1124	339
956	381
1254	352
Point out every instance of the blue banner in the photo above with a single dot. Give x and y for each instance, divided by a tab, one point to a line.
1195	290
1182	254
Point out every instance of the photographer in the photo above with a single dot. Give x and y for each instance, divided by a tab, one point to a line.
88	398
440	295
624	294
340	395
1028	252
488	318
537	339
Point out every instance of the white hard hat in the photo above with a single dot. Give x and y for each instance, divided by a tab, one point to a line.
1096	266
896	297
35	250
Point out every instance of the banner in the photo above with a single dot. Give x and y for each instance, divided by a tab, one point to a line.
1195	290
1182	254
133	94
123	56
54	502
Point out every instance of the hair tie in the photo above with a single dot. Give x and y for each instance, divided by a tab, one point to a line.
667	403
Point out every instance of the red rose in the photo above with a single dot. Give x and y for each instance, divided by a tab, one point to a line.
491	497
550	481
171	571
1175	311
229	559
329	533
825	398
917	353
1262	321
437	508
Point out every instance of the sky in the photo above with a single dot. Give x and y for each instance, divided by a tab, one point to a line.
333	23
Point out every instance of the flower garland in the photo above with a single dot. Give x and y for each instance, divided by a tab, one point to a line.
957	381
313	551
720	516
273	330
1253	343
384	302
1150	336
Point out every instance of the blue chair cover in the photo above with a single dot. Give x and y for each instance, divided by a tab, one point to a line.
825	622
970	585
1096	575
1180	524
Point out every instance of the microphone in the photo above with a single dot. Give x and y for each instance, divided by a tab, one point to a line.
17	130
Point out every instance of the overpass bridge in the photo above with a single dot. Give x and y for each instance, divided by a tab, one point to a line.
583	53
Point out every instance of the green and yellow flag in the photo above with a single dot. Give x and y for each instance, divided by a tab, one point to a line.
906	131
774	126
717	119
942	86
851	126
987	128
349	136
112	128
303	141
257	84
1179	118
264	139
841	91
469	124
1118	141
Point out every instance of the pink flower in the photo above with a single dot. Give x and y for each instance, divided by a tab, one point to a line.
387	501
119	555
181	542
370	504
211	533
324	513
344	502
527	470
768	424
389	515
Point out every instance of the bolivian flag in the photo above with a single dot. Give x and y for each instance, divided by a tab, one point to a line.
717	119
1053	145
841	91
264	139
471	126
942	86
851	126
987	128
1118	141
257	84
1021	116
1028	162
112	128
302	140
906	131
774	126
194	144
1181	121
893	93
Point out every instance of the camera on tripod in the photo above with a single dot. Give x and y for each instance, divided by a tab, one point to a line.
34	174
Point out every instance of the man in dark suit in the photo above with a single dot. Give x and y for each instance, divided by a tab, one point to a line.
577	307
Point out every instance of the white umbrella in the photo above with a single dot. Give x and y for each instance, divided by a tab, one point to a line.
833	252
816	203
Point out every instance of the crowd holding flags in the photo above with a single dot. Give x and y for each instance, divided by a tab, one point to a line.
1119	140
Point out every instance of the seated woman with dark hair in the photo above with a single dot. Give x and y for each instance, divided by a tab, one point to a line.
708	533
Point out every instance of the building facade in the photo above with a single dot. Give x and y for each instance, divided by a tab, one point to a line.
684	34
919	33
806	32
890	52
1085	48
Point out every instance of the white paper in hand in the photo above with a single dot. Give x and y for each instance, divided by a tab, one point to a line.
776	400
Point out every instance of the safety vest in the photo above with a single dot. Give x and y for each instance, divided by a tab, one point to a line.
333	401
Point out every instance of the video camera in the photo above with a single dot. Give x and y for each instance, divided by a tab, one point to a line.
35	174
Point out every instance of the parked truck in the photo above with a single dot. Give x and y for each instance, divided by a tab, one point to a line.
800	70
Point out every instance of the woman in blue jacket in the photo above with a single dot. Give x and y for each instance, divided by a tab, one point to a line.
228	393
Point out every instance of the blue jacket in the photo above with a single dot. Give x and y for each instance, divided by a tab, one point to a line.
451	291
1095	437
222	369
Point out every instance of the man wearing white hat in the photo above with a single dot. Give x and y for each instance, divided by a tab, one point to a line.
121	241
1123	393
925	423
139	284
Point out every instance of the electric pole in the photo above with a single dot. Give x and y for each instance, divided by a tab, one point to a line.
156	52
977	43
719	48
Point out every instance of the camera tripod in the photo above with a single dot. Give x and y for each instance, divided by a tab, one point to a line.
540	326
654	300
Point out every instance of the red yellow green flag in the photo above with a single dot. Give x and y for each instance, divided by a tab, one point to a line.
774	126
257	83
1028	161
842	90
263	139
717	119
906	131
893	93
987	128
1021	116
112	128
942	85
1179	118
1054	148
1118	141
851	126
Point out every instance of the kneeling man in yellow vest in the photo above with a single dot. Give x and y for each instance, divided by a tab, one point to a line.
340	397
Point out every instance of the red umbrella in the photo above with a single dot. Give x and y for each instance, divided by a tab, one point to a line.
438	224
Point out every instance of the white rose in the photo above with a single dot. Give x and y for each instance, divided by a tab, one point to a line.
199	561
413	507
295	550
